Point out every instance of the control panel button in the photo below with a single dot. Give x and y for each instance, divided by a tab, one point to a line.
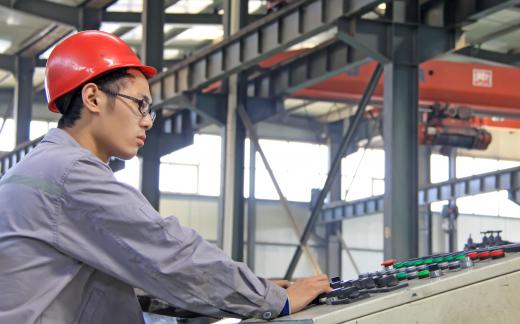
473	255
412	275
401	276
454	265
497	254
398	265
389	263
423	274
484	255
435	273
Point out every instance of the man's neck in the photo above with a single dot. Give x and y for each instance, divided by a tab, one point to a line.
86	140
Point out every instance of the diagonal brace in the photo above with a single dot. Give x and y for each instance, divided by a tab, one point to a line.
334	169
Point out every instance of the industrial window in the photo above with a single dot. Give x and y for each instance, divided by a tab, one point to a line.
494	203
362	174
7	137
194	169
7	134
298	167
131	173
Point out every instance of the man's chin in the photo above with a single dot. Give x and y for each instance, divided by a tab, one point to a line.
126	155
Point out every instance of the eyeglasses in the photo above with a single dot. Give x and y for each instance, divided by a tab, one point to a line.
142	104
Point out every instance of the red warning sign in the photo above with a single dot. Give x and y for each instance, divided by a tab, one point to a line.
482	78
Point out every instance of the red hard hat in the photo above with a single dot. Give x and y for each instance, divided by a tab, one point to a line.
83	56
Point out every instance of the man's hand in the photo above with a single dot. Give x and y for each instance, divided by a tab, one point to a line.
282	283
304	290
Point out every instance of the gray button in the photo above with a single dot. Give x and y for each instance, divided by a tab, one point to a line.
267	315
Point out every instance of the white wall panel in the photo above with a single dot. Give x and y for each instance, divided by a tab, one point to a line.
364	232
363	235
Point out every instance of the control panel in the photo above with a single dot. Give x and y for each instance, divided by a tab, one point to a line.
475	286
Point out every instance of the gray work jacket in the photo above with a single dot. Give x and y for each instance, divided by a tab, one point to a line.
74	242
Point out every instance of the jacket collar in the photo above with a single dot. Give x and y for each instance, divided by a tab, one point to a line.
59	136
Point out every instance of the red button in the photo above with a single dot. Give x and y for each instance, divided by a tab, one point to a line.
497	254
483	255
473	255
388	263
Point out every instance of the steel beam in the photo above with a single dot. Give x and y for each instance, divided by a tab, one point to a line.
99	4
508	179
373	38
24	70
7	95
254	43
169	3
333	170
457	13
83	17
7	62
50	10
135	17
42	40
482	54
318	65
472	10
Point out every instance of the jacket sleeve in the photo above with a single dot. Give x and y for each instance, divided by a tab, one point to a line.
112	227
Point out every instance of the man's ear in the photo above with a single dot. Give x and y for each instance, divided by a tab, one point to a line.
91	96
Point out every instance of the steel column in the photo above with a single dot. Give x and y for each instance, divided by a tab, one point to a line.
400	144
151	161
251	208
424	171
334	169
153	33
334	231
24	69
232	211
452	204
400	119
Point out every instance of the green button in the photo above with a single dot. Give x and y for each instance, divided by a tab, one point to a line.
401	275
448	258
428	261
409	263
437	260
418	263
398	265
423	274
460	257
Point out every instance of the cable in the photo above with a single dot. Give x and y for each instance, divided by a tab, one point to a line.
7	112
367	145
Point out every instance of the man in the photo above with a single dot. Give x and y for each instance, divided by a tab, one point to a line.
74	242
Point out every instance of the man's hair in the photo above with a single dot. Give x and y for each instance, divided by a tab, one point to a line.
71	104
